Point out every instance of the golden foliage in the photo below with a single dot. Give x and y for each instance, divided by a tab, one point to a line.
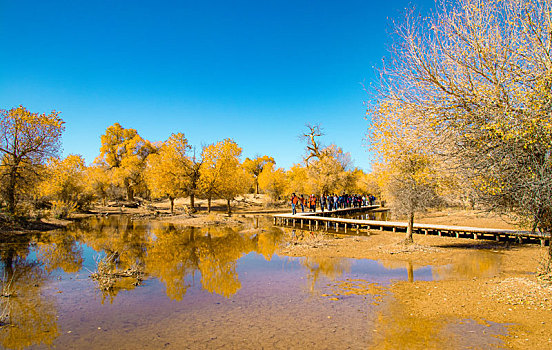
124	152
26	141
64	182
222	175
166	172
272	181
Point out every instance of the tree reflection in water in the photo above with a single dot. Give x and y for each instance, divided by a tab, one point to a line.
172	254
175	254
28	316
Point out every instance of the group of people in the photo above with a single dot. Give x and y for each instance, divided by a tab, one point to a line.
330	202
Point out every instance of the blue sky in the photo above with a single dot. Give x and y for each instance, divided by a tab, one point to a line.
254	71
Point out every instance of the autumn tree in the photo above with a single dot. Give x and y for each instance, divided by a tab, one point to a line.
166	170
98	182
124	152
255	166
329	172
405	164
64	182
327	166
27	140
193	173
479	75
273	181
222	175
298	180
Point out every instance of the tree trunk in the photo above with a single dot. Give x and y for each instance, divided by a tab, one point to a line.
408	238
192	203
130	193
10	192
257	186
228	206
172	204
209	204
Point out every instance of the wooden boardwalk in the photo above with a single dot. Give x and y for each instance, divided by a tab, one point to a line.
323	221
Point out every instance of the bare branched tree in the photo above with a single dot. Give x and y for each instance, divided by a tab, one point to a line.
479	75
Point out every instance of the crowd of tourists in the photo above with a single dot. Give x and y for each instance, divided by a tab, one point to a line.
330	202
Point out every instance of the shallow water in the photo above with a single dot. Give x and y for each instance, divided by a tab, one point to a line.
212	287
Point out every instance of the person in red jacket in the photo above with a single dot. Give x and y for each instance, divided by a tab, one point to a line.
294	201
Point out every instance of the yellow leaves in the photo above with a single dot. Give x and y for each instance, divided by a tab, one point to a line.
166	170
273	181
222	174
64	183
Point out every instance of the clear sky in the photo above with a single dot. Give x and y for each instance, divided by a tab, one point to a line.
254	71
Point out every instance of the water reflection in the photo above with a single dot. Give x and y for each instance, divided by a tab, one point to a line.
27	315
172	254
60	251
328	267
177	257
472	264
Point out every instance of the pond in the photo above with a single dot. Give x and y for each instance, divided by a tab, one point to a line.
207	287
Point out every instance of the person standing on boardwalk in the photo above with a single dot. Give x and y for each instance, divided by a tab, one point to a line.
302	201
313	203
322	202
294	200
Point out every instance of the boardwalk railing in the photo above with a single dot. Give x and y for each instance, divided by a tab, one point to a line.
315	220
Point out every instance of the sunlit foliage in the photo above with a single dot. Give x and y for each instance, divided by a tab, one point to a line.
256	166
166	171
27	140
65	181
222	175
124	152
272	181
406	165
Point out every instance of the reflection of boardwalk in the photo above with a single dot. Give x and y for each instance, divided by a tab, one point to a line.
322	220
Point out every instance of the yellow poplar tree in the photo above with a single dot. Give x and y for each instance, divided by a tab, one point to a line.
124	152
222	175
255	166
64	181
27	140
272	181
405	163
166	171
298	180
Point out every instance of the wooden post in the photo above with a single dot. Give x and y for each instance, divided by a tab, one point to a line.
309	223
457	234
293	222
326	225
394	229
475	236
497	238
439	232
345	227
520	239
316	224
301	223
358	228
543	242
425	232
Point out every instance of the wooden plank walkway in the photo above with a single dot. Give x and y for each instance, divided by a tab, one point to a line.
316	221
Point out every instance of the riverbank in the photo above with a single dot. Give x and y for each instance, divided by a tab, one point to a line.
493	283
